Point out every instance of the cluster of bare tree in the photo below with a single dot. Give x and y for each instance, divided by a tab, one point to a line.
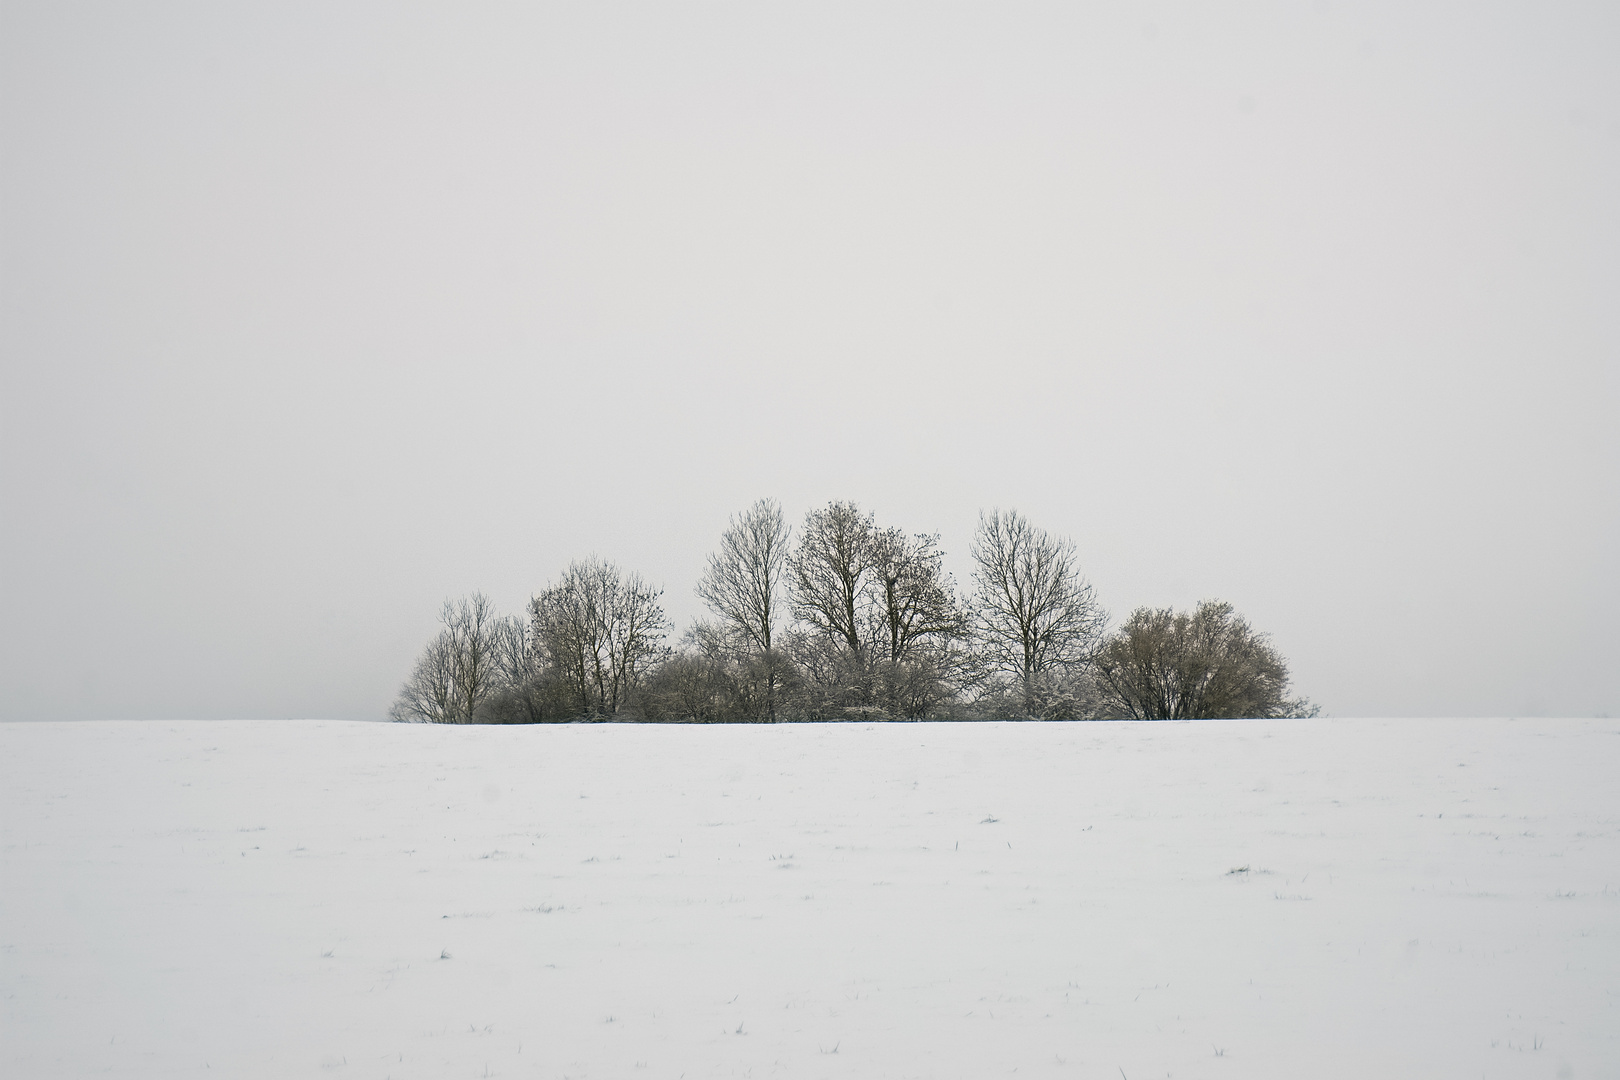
848	620
584	652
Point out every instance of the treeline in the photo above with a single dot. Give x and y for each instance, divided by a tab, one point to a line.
846	620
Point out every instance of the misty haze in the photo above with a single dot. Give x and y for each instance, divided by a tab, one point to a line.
820	540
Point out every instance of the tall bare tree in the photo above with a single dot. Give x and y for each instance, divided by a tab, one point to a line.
1168	665
460	670
429	694
832	568
599	630
881	615
1037	620
917	608
744	585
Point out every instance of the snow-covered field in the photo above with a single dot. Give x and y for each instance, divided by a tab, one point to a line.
1326	898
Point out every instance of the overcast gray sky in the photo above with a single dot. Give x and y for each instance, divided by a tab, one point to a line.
317	314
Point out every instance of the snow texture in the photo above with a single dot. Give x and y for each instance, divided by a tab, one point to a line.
1326	898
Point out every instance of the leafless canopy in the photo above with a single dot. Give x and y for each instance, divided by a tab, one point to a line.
1035	615
599	630
852	621
462	668
916	607
742	584
838	548
879	616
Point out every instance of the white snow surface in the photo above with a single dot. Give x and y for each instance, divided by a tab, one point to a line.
1422	898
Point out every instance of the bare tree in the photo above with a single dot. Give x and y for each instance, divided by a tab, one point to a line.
917	609
460	671
1037	620
832	683
475	637
714	677
743	581
919	626
831	574
743	586
515	653
599	630
881	615
527	693
429	695
689	688
1167	665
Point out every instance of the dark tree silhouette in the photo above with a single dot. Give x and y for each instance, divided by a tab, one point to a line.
599	631
1167	665
1036	619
